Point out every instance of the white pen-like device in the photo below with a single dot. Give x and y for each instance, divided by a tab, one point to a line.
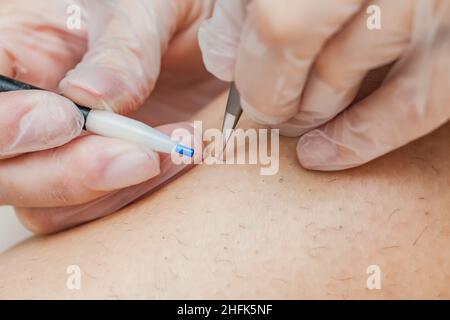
113	125
110	124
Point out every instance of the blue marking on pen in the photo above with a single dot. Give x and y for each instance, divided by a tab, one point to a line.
183	150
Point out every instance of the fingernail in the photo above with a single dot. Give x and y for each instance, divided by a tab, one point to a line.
260	117
290	129
129	169
51	122
300	124
219	56
320	103
86	87
101	88
315	151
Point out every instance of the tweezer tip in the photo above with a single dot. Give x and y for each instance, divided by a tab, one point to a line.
228	126
227	135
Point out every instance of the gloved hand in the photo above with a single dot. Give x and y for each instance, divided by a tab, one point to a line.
299	64
53	177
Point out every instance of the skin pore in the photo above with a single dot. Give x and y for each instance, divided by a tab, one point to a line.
228	232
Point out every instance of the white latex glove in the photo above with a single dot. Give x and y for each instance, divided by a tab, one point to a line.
299	64
53	177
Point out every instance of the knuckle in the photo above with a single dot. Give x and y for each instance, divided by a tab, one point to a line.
298	24
90	157
286	25
274	23
6	140
59	191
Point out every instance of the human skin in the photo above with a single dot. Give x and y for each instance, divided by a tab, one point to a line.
228	232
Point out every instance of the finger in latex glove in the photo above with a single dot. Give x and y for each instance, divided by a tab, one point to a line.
412	101
36	120
126	42
306	50
138	174
268	47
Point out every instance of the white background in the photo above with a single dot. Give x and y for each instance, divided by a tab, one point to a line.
11	231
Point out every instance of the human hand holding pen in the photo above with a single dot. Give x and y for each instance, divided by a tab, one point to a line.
55	178
298	65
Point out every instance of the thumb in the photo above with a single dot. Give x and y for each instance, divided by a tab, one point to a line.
36	120
126	41
220	36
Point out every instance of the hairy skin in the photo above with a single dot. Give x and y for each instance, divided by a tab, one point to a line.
227	232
